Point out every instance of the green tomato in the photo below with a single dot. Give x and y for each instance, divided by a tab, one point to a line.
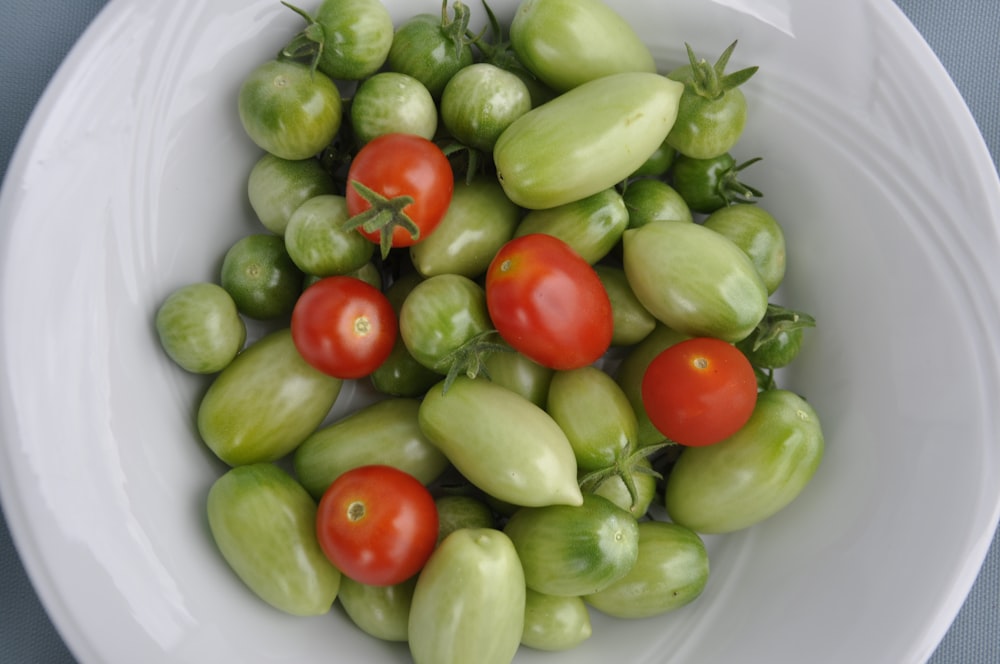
379	611
318	242
354	37
670	571
633	368
502	443
401	374
432	47
707	185
479	220
390	102
775	352
458	511
261	277
468	604
632	322
264	524
265	403
751	475
276	187
554	623
658	163
200	328
383	433
521	374
614	488
650	200
289	110
538	157
566	43
480	101
694	280
572	550
758	234
592	226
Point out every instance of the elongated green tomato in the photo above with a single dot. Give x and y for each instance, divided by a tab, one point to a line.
572	550
591	225
261	277
519	373
594	413
468	604
501	442
288	110
479	220
613	488
391	102
200	328
432	47
383	433
265	403
380	611
458	511
627	117
318	243
276	187
480	101
654	200
348	39
751	475
632	322
670	571
755	231
263	523
694	280
568	42
554	623
401	374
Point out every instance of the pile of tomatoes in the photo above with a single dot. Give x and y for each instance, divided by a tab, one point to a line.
538	253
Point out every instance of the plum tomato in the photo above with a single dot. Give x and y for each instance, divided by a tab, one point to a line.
398	188
377	524
699	391
547	302
344	327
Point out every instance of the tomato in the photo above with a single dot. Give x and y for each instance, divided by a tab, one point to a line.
650	199
632	322
568	42
707	185
699	391
399	187
457	511
288	110
401	374
200	328
263	523
318	243
548	303
276	187
346	39
778	339
754	230
391	103
556	154
751	475
480	101
592	226
713	110
377	524
380	611
432	48
344	327
615	487
261	277
519	373
554	623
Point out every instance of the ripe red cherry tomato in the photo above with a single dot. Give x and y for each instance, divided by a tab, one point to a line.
377	524
699	391
394	165
548	302
344	327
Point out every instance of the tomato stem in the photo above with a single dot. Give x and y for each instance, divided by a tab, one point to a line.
384	215
625	466
307	44
470	358
711	81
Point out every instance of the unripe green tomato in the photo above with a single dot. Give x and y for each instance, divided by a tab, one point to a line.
632	322
276	187
658	163
264	524
615	490
755	231
654	200
200	328
480	101
380	611
458	511
441	314
389	103
401	374
554	623
521	374
318	243
592	226
425	47
261	277
357	35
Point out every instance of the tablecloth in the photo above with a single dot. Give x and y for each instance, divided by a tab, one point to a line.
36	36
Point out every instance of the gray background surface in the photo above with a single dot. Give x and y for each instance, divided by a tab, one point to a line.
36	36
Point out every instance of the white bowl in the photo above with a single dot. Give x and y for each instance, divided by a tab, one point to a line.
130	181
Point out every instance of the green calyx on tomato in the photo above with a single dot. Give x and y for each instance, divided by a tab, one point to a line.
711	81
626	466
707	185
775	342
470	358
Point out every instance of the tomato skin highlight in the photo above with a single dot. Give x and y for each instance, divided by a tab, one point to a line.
699	391
377	524
344	327
548	303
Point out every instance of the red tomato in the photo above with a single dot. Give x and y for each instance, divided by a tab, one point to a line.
377	524
699	391
344	327
548	303
396	165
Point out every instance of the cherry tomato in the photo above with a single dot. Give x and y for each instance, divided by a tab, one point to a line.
344	327
391	169
548	303
377	524
699	391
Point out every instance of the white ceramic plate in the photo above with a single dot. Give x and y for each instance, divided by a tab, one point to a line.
130	181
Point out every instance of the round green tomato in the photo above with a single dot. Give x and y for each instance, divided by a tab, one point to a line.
755	231
632	322
592	226
355	35
261	277
276	187
707	185
751	475
658	163
671	570
200	328
650	200
401	374
774	353
264	524
432	48
380	611
289	110
554	623
458	511
389	103
569	550
480	101
319	244
521	374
